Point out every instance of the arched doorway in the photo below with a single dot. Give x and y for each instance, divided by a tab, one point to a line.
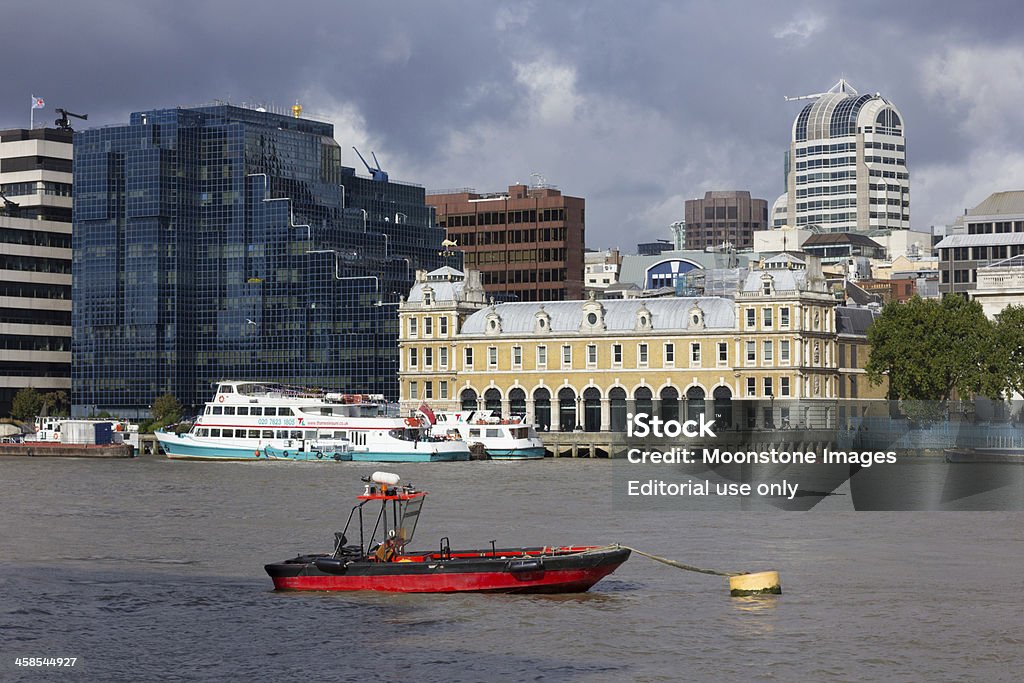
591	409
492	401
517	402
723	407
617	398
566	409
694	402
669	403
644	403
542	409
468	399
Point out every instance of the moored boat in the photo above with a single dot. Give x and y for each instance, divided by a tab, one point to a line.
261	421
501	438
381	561
985	455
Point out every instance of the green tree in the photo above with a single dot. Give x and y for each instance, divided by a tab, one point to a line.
930	349
26	405
1007	357
55	403
166	411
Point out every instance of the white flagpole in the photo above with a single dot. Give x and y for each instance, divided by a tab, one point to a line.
32	114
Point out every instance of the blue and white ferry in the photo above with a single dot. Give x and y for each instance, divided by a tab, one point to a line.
266	421
502	439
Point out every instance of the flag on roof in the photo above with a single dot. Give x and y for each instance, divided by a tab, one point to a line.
38	102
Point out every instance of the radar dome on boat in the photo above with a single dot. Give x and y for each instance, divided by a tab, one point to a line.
385	478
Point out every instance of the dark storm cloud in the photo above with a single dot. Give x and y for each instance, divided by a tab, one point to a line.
635	106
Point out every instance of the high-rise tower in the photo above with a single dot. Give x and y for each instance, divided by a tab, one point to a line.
224	242
35	262
847	164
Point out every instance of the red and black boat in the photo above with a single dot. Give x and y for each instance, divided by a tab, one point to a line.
381	562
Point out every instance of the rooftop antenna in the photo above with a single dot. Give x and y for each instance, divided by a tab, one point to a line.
376	173
63	122
841	87
541	180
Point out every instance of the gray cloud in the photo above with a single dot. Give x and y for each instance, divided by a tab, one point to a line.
635	106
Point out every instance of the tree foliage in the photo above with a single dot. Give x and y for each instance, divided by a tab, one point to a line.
166	410
26	405
930	349
1007	358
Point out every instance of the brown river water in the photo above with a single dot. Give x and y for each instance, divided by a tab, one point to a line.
153	569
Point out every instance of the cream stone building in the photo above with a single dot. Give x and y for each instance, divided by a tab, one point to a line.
780	353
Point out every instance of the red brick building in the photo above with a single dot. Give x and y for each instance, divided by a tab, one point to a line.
527	243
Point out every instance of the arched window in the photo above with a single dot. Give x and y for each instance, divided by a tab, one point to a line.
468	399
566	409
723	407
669	403
644	402
517	402
542	408
694	402
492	400
591	409
617	398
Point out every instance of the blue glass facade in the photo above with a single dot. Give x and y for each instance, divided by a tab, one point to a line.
227	243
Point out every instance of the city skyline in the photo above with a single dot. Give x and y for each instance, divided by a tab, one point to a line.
635	111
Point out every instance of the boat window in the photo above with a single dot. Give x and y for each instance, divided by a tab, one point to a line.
243	410
295	434
517	432
225	389
254	433
410	516
200	432
340	435
217	410
207	410
310	433
229	410
474	433
270	411
493	433
215	433
284	411
326	410
268	433
255	410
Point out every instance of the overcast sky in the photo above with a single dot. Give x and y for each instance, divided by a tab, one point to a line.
636	106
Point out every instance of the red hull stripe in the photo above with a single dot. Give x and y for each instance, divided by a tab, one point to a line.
566	580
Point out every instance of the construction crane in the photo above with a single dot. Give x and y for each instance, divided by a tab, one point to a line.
9	208
375	173
63	122
841	87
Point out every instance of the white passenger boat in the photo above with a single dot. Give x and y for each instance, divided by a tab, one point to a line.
265	421
502	439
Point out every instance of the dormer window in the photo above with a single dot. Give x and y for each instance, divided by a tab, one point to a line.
697	317
541	321
644	319
593	316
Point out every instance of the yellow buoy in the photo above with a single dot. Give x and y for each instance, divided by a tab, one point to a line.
755	584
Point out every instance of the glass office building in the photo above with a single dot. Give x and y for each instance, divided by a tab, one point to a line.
229	243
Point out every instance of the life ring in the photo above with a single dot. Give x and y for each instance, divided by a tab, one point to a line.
319	455
412	422
220	399
284	453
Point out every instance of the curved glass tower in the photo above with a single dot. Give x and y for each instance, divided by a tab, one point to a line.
847	164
